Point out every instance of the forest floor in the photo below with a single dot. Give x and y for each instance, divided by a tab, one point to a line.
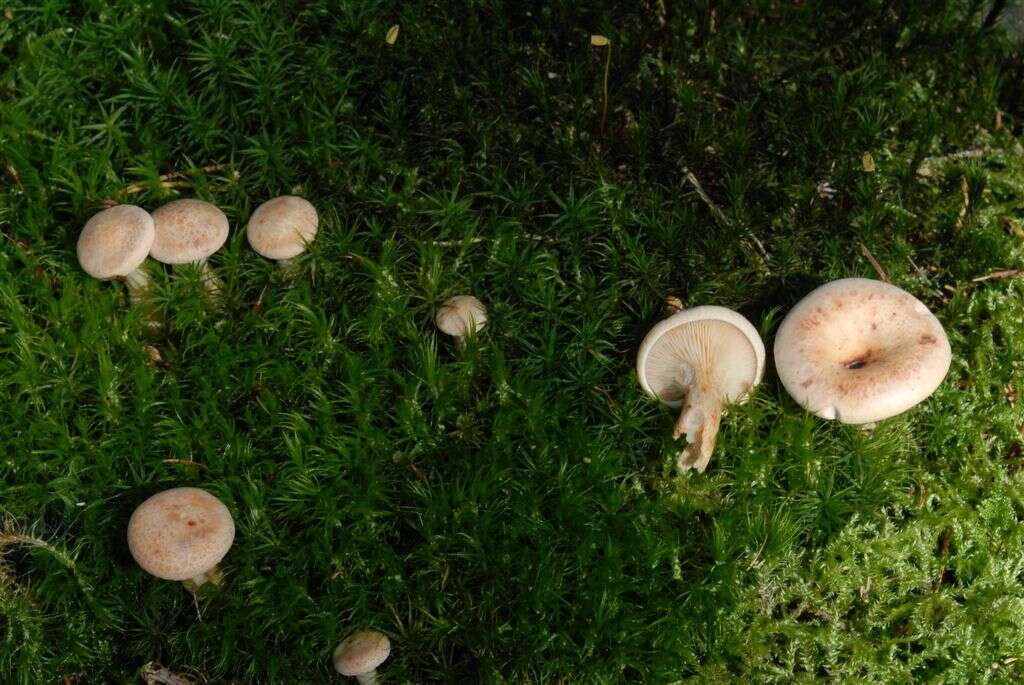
510	511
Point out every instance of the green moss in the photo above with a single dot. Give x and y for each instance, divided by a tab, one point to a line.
508	513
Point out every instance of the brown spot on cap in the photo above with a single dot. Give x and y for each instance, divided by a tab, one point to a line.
188	231
180	533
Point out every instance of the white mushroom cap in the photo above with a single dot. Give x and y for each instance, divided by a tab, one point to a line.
361	653
859	351
710	336
188	231
280	228
180	533
115	242
701	359
461	314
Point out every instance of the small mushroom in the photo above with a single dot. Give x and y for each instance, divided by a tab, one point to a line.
181	534
859	351
702	359
460	316
360	654
187	233
282	227
114	244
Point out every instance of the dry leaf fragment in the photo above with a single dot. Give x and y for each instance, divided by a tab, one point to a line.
392	37
1013	226
598	41
8	14
673	303
868	162
999	120
155	674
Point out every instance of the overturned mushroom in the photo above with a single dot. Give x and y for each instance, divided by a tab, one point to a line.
181	534
702	359
114	244
281	228
360	654
860	351
460	316
187	233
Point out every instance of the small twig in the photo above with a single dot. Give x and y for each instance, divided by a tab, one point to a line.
874	263
999	275
965	190
474	241
168	180
598	40
607	395
928	165
185	462
719	215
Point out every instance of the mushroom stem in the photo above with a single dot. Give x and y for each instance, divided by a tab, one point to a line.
198	580
211	281
699	421
368	678
138	283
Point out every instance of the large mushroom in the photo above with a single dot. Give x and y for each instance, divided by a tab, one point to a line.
859	351
187	233
281	228
361	654
701	359
114	244
181	534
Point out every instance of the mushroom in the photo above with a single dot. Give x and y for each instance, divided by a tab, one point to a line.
460	316
360	654
188	232
181	534
860	351
282	227
114	244
701	359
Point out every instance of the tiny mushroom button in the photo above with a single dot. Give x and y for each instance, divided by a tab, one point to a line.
461	315
360	654
188	232
859	351
115	242
701	359
181	534
282	227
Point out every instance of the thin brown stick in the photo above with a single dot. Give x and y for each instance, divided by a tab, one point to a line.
999	275
874	263
168	180
185	462
719	216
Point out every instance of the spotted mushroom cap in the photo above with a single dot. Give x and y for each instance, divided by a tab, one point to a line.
715	341
460	314
280	228
180	533
115	242
859	351
361	653
188	231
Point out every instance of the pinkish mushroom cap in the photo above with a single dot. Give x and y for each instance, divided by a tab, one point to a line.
280	228
859	351
115	242
188	231
180	534
361	653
